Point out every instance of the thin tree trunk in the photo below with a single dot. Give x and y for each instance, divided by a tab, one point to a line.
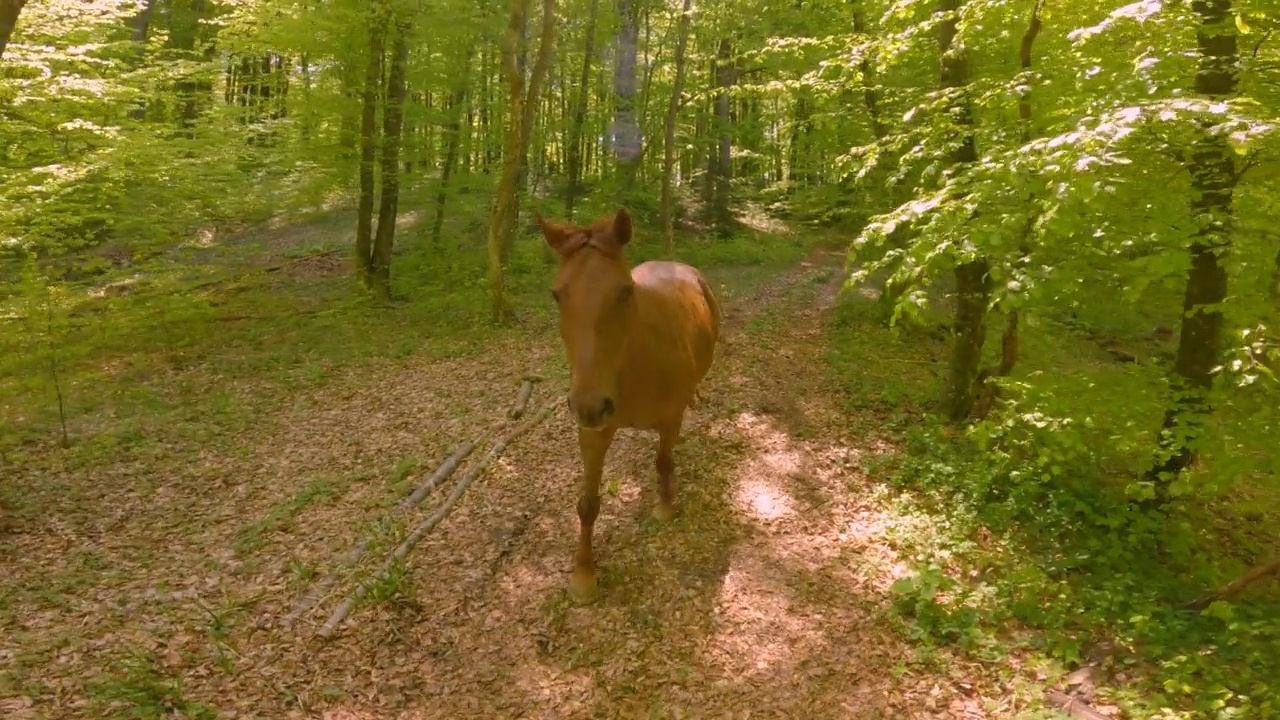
519	123
870	90
574	185
459	101
973	283
368	152
1009	339
392	125
801	128
669	133
722	154
9	11
140	25
1213	178
626	132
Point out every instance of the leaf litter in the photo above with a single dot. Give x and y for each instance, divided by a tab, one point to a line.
763	599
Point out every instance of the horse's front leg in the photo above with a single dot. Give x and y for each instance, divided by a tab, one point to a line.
594	445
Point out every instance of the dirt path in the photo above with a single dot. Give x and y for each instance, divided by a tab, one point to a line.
764	598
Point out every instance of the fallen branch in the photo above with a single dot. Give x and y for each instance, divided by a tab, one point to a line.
280	266
522	400
1075	707
1233	588
446	469
499	446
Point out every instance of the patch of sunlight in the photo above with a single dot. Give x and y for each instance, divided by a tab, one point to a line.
759	487
408	219
758	634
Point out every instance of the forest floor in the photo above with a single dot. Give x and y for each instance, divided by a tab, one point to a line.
154	576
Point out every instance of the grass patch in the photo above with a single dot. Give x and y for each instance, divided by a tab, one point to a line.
137	688
283	516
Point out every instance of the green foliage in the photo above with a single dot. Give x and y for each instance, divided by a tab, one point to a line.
1028	527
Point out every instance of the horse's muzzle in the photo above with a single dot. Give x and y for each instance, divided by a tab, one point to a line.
593	416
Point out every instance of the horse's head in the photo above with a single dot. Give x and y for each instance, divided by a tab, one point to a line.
594	292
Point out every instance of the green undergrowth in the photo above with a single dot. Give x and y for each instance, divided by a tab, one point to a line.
1026	530
186	349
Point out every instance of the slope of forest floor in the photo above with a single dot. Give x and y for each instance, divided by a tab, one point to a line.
213	480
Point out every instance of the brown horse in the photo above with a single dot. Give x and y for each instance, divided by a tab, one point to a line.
638	342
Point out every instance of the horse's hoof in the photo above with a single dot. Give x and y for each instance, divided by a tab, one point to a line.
582	587
664	512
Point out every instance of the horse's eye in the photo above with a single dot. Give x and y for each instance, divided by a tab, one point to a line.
626	293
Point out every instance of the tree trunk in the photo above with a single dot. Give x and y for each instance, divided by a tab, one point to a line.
626	132
870	90
722	156
368	152
801	128
392	124
140	25
574	185
669	133
519	123
1009	339
9	11
973	283
1213	179
458	101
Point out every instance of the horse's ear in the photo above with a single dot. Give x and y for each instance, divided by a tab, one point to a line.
556	235
622	227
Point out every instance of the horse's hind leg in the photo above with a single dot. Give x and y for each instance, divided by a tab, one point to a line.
666	464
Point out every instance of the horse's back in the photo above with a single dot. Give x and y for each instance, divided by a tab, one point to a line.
687	300
680	280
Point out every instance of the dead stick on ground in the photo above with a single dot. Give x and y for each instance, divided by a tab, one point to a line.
1233	588
426	526
442	473
1074	707
522	400
280	266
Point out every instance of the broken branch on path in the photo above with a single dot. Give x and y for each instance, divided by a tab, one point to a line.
293	261
442	473
1073	706
522	400
1233	588
499	446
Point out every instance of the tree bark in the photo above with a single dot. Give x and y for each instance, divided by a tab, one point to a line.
626	132
1009	339
669	132
722	154
870	90
368	152
9	11
1213	179
519	123
973	282
580	115
459	102
392	125
801	128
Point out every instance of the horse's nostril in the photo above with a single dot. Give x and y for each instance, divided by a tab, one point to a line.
606	408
